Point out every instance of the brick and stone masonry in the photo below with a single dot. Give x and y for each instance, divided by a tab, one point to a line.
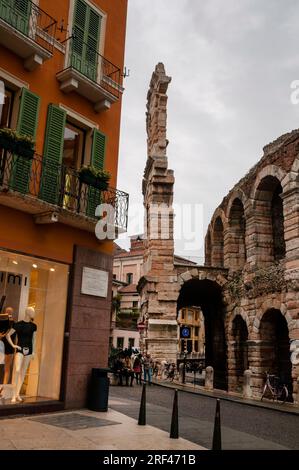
249	287
158	287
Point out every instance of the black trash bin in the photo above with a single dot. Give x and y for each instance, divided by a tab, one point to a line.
98	392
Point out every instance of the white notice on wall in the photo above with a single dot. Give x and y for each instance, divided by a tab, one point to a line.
94	282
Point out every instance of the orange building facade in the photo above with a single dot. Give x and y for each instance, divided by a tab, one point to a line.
61	87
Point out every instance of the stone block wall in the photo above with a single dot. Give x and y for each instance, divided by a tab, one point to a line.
263	269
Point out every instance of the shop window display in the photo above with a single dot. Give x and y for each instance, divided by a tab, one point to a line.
33	296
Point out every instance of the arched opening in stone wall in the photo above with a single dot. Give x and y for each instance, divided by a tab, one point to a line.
240	352
269	207
208	249
218	244
207	295
279	247
275	347
237	248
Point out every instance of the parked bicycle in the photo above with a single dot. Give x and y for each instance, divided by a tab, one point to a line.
277	390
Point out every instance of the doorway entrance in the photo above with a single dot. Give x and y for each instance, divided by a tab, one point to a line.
207	295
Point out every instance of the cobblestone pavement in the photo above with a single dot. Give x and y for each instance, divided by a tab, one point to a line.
243	426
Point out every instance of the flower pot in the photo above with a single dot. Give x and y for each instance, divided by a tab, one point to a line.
25	151
92	180
8	143
87	178
100	184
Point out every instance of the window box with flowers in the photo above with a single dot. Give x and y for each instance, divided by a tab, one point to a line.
99	179
21	145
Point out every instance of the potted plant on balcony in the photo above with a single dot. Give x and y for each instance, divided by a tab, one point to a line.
99	179
8	139
25	146
17	144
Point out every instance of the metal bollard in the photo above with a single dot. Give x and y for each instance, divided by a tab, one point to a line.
174	428
142	410
217	428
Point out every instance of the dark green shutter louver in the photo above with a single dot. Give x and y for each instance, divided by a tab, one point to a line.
97	160
27	125
78	35
98	150
23	10
86	36
52	157
16	13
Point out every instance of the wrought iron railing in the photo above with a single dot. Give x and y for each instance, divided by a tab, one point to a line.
86	60
29	19
61	186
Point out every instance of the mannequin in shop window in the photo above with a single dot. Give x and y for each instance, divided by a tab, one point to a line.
9	351
6	323
25	349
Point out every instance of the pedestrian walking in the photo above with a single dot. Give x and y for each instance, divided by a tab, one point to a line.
148	368
137	368
128	371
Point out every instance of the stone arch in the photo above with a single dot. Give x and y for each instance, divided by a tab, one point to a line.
217	252
235	246
238	311
197	290
219	212
217	227
269	170
236	194
208	248
268	214
201	274
269	304
239	359
274	346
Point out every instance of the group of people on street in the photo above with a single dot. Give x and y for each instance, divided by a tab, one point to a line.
129	365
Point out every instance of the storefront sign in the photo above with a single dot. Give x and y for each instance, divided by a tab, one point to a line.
94	282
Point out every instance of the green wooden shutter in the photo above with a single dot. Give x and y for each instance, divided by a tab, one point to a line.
97	160
98	150
53	149
92	42
80	18
86	32
16	13
22	9
28	114
27	125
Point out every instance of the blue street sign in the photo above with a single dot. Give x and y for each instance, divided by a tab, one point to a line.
185	332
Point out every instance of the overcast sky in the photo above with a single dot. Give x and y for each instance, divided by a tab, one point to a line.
232	63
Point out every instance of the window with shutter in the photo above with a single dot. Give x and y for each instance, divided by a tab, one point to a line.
97	160
16	13
27	125
86	36
53	150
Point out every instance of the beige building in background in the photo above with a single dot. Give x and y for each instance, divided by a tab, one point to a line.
127	271
194	346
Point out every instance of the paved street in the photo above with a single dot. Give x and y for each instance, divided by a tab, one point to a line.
85	430
243	427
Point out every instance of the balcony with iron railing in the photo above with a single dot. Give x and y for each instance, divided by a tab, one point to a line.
90	74
55	193
27	30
